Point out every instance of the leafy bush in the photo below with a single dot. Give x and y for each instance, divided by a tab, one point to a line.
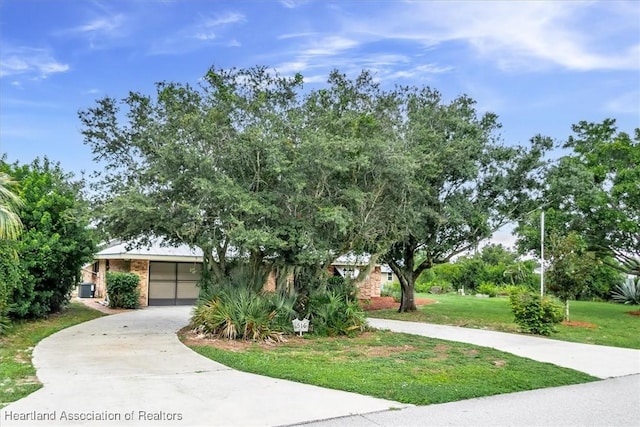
333	309
122	290
442	286
628	292
487	288
55	243
423	287
392	290
534	314
509	289
9	276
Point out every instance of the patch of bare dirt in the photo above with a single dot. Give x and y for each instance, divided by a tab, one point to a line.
577	324
385	350
634	313
190	337
382	303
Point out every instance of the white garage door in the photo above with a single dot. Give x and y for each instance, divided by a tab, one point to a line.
173	283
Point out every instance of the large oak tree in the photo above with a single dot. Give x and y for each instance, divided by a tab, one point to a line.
248	167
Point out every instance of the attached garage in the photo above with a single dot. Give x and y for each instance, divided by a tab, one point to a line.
173	283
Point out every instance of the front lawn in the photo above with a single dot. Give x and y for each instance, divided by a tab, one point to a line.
17	374
599	323
401	367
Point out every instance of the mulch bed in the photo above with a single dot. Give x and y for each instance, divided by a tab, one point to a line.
382	303
634	313
577	324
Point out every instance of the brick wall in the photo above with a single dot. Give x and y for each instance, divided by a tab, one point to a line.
370	286
140	267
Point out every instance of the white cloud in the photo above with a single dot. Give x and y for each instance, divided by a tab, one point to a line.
32	62
203	31
330	45
205	36
292	4
296	35
515	35
627	103
226	19
103	25
288	68
98	31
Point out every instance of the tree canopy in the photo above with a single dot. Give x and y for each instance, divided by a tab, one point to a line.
594	190
41	268
250	167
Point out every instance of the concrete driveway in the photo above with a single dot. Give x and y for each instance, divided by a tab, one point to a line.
130	369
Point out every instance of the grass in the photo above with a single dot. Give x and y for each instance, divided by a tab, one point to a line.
610	323
17	374
405	368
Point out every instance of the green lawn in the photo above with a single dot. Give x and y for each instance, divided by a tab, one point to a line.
613	325
405	368
17	374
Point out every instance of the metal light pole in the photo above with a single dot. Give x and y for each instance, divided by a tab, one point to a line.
542	254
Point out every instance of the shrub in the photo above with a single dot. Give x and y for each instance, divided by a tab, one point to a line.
332	314
235	309
392	290
534	314
509	289
122	290
333	309
9	276
487	288
628	292
243	313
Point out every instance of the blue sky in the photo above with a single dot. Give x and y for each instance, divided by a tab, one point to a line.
541	66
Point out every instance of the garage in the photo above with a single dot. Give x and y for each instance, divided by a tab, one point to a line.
173	283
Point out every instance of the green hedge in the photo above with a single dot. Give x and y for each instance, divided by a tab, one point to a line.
122	290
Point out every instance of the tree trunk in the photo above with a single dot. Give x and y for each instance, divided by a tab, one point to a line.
566	310
407	299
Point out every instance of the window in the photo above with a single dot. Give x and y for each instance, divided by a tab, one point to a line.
389	277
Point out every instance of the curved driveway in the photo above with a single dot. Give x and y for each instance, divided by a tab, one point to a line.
130	369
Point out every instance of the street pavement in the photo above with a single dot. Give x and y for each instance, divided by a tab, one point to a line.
130	369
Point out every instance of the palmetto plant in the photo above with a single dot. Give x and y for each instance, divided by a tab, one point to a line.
628	292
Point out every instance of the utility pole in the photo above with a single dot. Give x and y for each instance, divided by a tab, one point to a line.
542	254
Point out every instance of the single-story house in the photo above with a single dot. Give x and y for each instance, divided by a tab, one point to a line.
169	275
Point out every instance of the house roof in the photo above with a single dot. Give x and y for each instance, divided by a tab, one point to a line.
160	251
